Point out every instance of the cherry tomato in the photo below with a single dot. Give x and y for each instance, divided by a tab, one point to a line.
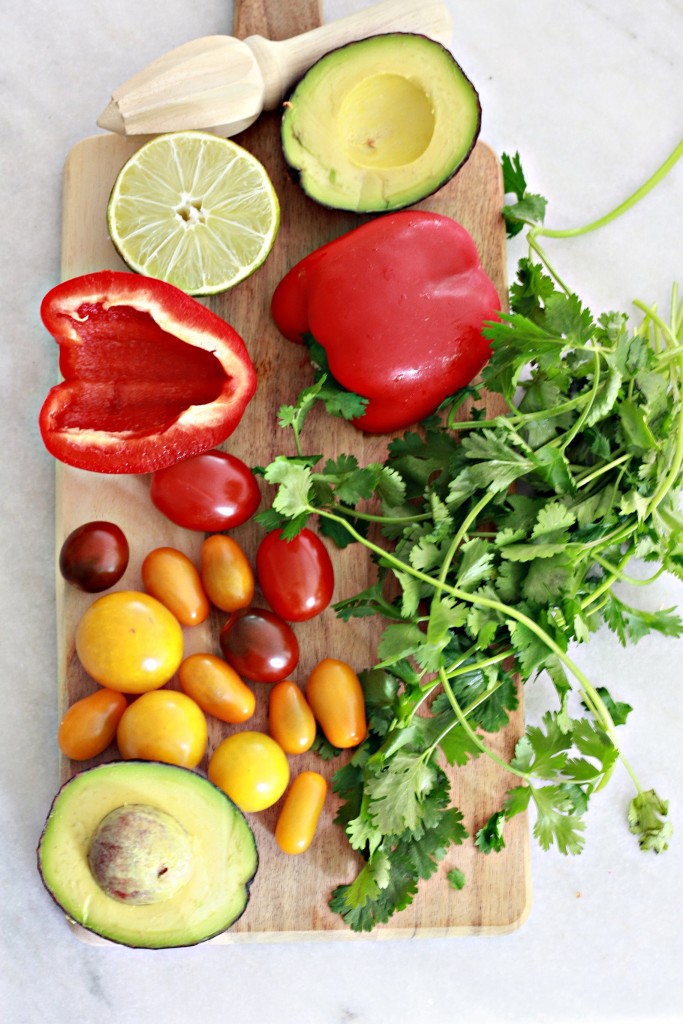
171	577
227	576
129	641
295	576
210	492
94	556
217	688
89	725
163	725
290	719
251	768
301	812
336	699
259	645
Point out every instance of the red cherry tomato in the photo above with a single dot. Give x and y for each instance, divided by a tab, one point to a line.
259	645
210	492
94	556
296	576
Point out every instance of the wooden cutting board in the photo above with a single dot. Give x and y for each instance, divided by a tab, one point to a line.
289	896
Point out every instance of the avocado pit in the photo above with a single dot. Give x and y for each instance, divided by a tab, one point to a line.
140	854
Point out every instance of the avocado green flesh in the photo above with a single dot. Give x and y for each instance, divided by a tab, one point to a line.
224	860
380	123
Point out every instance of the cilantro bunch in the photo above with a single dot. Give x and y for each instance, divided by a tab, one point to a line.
498	544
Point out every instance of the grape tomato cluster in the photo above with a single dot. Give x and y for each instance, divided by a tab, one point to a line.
131	643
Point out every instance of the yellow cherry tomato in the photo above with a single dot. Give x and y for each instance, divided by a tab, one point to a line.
300	814
217	688
163	725
335	696
290	720
251	768
171	577
227	576
89	725
129	641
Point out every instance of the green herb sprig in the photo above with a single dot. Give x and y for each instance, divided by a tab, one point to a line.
508	538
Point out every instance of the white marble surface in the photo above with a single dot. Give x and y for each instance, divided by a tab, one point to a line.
590	94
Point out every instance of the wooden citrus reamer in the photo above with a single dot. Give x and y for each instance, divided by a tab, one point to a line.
222	84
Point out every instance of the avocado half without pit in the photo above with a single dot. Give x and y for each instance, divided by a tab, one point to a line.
147	855
379	124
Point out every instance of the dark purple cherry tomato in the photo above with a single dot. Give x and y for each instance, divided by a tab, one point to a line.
296	576
259	645
94	556
210	492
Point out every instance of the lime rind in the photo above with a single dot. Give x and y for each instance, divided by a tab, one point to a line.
195	210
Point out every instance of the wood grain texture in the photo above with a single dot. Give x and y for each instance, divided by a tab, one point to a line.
289	896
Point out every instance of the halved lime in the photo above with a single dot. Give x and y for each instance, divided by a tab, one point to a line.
193	209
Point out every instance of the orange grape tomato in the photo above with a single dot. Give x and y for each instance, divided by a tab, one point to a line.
129	641
163	725
226	573
217	688
290	720
171	577
335	696
300	814
251	768
89	725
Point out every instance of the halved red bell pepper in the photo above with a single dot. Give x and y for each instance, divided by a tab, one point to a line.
398	304
151	376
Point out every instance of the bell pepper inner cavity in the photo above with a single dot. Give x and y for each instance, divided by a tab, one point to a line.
149	377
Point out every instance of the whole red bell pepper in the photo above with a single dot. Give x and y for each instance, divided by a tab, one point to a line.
151	376
398	304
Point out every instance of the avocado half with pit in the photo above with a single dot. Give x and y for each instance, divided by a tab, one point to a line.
379	124
147	855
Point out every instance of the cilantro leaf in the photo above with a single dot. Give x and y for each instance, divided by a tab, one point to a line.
529	208
543	749
646	815
456	878
489	838
397	796
630	624
294	486
557	819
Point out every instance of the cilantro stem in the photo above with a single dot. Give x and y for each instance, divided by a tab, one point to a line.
601	470
585	412
474	736
372	518
461	669
458	538
671	341
624	577
607	218
533	244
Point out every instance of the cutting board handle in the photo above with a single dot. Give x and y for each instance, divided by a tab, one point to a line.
283	62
